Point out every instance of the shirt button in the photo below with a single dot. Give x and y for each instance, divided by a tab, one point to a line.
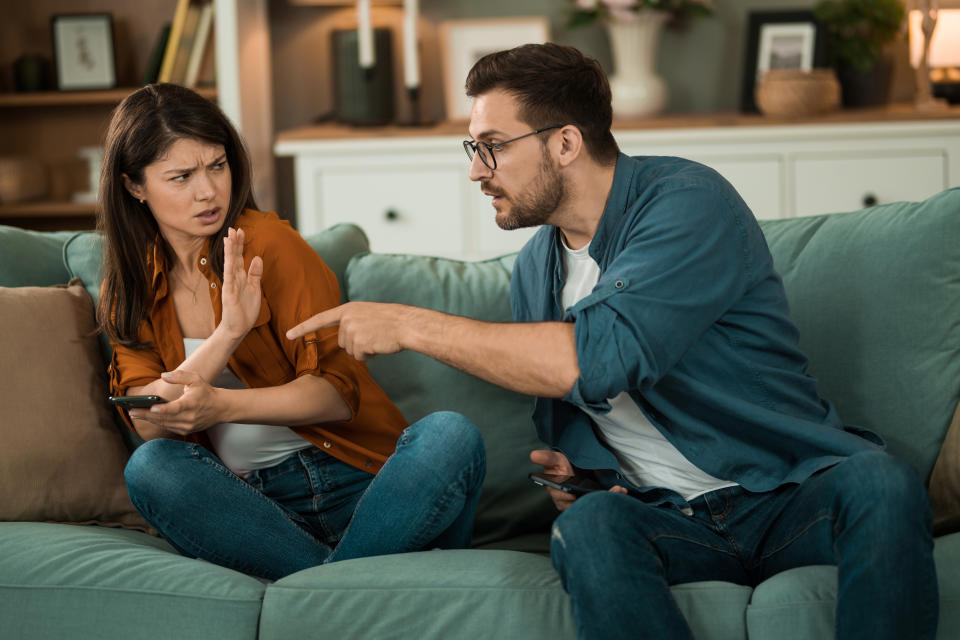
213	285
368	464
618	284
203	261
327	444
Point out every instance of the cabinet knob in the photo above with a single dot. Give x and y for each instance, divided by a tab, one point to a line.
391	215
869	199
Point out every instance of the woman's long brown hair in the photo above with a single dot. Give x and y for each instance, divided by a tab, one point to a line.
143	127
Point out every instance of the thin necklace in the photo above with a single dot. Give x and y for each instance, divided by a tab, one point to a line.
189	288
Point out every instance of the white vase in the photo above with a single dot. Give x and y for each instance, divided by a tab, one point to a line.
637	89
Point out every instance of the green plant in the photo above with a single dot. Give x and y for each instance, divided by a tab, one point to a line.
858	30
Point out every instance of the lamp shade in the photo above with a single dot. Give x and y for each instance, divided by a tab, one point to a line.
944	44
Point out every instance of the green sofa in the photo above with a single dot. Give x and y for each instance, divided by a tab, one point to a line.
876	294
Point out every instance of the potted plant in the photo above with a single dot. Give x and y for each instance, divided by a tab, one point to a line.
857	31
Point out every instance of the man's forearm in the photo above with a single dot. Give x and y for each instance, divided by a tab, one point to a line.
538	359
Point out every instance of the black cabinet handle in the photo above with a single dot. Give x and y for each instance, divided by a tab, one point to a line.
869	199
391	215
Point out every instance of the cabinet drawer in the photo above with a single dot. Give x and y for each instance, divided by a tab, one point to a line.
415	210
852	181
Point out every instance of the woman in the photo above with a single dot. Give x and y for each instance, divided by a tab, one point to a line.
271	455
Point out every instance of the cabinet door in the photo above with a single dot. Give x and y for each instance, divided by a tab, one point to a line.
852	181
756	180
402	209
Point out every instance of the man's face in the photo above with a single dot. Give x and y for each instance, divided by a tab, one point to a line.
526	186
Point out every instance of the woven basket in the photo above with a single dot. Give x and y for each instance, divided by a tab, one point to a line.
21	179
790	93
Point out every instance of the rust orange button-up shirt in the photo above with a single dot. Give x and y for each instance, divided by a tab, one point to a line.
296	284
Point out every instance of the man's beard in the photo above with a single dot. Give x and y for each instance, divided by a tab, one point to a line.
537	203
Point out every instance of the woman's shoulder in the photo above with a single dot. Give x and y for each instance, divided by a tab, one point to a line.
264	228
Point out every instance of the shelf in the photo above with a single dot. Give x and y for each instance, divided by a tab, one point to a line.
47	209
75	98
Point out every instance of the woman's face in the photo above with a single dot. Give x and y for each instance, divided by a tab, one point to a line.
187	189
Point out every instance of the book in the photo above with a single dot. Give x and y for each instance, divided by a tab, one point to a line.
173	42
152	70
201	42
189	33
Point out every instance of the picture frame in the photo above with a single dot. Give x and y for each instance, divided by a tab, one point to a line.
463	42
83	51
779	40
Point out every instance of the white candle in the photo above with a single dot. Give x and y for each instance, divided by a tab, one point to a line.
365	35
411	59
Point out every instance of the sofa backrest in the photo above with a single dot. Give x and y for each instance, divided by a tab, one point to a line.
876	296
510	505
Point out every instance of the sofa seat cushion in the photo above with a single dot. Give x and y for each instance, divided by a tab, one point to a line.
87	582
459	594
800	603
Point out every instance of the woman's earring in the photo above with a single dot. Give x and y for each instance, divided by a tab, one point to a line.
141	200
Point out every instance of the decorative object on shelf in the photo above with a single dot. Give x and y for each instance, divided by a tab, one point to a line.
463	42
934	53
31	72
22	179
779	40
83	50
411	58
93	156
857	32
633	27
362	96
794	93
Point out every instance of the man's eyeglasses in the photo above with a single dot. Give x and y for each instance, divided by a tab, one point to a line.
486	150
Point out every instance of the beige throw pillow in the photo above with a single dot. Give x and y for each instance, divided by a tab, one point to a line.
61	457
945	481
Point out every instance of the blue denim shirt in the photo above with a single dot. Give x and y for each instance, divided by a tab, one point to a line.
691	319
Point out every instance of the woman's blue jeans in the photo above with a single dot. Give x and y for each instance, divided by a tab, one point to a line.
312	508
868	515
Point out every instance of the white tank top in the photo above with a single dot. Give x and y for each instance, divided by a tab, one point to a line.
646	457
246	447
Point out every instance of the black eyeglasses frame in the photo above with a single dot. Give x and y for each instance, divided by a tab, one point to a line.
475	146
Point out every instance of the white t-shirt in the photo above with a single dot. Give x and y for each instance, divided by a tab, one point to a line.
246	447
646	457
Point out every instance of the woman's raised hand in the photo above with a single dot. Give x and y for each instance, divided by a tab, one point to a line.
241	288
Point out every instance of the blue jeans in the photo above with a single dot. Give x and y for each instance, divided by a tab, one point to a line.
868	515
312	508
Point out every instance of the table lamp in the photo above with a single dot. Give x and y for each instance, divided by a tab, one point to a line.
935	52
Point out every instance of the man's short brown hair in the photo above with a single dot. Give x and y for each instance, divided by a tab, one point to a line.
554	84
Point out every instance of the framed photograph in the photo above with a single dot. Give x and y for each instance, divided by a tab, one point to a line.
83	51
779	40
463	42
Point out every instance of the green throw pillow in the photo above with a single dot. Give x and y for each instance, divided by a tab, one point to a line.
876	296
510	505
32	258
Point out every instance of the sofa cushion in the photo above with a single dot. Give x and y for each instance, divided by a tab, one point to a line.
510	505
61	460
62	582
32	258
801	603
461	594
876	296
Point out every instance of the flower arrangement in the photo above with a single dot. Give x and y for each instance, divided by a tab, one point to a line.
586	11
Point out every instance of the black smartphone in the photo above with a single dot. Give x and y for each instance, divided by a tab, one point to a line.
136	402
574	485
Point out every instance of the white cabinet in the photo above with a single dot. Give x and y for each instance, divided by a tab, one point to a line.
411	194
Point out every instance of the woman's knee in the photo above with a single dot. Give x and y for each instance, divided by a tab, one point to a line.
448	431
153	464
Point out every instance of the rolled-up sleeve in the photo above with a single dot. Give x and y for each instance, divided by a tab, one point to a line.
684	264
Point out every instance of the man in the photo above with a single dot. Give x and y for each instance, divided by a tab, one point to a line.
654	331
